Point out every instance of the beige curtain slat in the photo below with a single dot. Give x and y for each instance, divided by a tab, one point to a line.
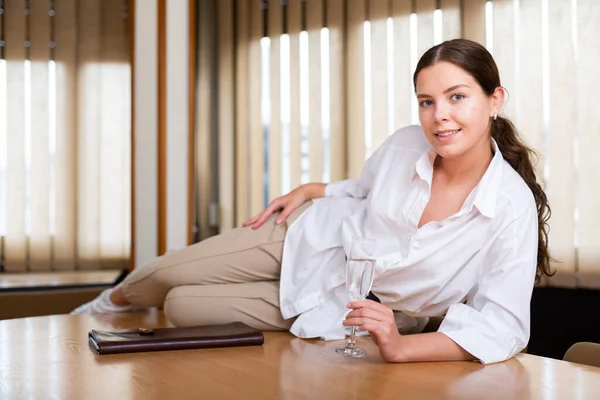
504	52
92	159
425	37
3	210
337	130
562	113
226	99
355	87
242	128
65	173
451	19
15	240
114	138
314	23
126	137
424	10
473	20
378	13
294	17
529	95
90	93
39	238
275	30
254	110
162	123
588	129
403	87
204	115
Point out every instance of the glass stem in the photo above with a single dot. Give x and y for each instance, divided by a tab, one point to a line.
352	340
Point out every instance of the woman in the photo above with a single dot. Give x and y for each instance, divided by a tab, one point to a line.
458	216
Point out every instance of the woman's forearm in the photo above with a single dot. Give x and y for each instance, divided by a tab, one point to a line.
433	346
314	190
379	321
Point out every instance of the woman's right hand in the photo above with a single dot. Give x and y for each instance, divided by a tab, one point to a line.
287	204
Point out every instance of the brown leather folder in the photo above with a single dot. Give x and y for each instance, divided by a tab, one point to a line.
201	337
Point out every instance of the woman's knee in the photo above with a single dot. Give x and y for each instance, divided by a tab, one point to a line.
197	305
176	309
185	307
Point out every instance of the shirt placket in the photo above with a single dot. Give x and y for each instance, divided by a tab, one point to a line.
422	197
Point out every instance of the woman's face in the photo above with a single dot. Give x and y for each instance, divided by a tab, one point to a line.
454	111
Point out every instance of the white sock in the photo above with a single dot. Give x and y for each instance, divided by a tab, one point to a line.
101	304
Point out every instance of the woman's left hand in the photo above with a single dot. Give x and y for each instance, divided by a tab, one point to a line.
379	320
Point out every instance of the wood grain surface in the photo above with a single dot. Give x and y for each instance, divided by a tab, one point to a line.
49	358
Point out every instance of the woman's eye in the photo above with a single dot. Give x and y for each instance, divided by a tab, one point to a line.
425	103
457	96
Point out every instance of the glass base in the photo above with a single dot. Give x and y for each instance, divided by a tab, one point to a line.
352	352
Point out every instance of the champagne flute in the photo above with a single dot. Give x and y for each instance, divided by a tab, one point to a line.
360	270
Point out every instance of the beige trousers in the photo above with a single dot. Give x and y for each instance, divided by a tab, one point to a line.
230	277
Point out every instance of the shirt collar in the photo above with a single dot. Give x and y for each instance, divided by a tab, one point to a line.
486	191
484	195
424	165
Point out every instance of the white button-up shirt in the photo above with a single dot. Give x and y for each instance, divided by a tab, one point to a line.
477	267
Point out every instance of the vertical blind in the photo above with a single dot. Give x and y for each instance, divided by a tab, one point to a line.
321	83
64	134
548	57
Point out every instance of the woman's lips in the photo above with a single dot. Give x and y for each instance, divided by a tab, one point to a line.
444	136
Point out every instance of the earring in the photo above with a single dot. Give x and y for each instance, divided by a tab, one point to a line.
495	116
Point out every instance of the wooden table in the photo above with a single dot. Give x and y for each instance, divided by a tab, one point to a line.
49	358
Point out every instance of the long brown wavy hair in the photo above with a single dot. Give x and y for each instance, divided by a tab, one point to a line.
474	59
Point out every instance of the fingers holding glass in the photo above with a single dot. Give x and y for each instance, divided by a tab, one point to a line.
360	271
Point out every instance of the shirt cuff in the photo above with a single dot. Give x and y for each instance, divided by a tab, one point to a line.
484	341
335	189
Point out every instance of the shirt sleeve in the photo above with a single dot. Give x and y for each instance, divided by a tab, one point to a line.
347	188
494	324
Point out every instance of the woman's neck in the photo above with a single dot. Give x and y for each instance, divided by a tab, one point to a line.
471	166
